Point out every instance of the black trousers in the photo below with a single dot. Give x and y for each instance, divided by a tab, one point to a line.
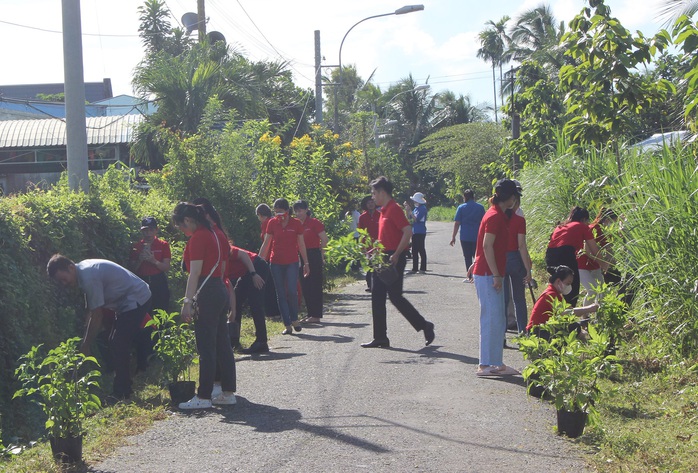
160	298
419	250
469	248
212	340
246	292
565	255
380	292
126	327
312	285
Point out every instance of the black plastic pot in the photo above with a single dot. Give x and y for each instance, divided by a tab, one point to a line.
67	450
182	391
571	423
534	389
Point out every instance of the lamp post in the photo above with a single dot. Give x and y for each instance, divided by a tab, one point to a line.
393	122
399	11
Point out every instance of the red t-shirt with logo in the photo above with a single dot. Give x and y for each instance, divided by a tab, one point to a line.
312	228
495	222
370	223
392	221
543	308
572	234
161	251
517	226
235	268
284	244
583	261
203	246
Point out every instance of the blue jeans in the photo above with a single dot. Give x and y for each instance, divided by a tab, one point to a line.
286	283
514	287
493	321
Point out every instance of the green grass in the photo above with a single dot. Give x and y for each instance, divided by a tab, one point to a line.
649	420
442	214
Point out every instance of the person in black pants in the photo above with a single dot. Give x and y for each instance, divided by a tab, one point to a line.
394	232
252	274
315	243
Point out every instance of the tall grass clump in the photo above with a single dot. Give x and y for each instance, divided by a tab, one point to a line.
655	242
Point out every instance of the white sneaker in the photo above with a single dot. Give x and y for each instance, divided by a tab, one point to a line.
217	390
224	399
196	403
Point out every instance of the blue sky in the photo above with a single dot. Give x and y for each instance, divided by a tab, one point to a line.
438	44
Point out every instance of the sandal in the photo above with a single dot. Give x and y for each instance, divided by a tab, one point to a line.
487	371
505	370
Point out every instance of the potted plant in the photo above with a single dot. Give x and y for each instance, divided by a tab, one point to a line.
570	373
176	346
62	383
369	254
612	314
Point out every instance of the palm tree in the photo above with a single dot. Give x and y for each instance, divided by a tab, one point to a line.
673	9
454	110
536	35
507	53
491	52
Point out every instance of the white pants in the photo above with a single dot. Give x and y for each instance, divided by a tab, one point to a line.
589	280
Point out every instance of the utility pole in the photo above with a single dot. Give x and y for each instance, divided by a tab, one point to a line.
318	79
201	14
76	133
515	120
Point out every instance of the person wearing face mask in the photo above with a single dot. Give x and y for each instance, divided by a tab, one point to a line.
150	260
560	285
569	239
488	272
283	241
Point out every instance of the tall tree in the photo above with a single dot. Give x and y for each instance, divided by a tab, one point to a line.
491	50
536	35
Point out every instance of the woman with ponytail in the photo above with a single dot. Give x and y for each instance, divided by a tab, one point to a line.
206	303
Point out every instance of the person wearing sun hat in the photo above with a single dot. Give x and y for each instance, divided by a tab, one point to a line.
488	272
418	218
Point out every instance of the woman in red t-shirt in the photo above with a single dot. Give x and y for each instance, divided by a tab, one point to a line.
205	257
271	305
566	241
315	242
283	241
591	272
560	284
488	272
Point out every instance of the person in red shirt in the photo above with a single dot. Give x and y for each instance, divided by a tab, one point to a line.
560	283
315	242
488	272
590	272
394	232
271	305
150	261
249	272
566	241
205	257
368	221
283	242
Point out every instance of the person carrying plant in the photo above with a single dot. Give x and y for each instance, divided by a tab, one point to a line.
394	232
107	286
150	260
560	284
206	302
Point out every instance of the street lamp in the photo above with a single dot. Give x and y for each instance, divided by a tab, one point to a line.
393	122
399	11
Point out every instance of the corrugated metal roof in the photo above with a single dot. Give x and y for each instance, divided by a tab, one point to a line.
51	132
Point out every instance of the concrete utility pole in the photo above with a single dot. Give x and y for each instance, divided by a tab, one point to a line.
201	13
76	133
318	79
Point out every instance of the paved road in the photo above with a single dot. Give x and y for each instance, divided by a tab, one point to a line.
321	403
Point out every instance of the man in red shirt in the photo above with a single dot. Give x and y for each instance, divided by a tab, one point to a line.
150	260
394	232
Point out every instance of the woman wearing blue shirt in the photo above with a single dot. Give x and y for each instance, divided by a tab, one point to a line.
418	217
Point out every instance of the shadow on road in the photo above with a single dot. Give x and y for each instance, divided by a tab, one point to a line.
433	352
270	356
271	419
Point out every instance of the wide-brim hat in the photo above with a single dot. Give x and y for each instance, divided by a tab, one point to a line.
505	188
419	198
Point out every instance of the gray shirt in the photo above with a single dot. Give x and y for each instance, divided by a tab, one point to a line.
108	285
